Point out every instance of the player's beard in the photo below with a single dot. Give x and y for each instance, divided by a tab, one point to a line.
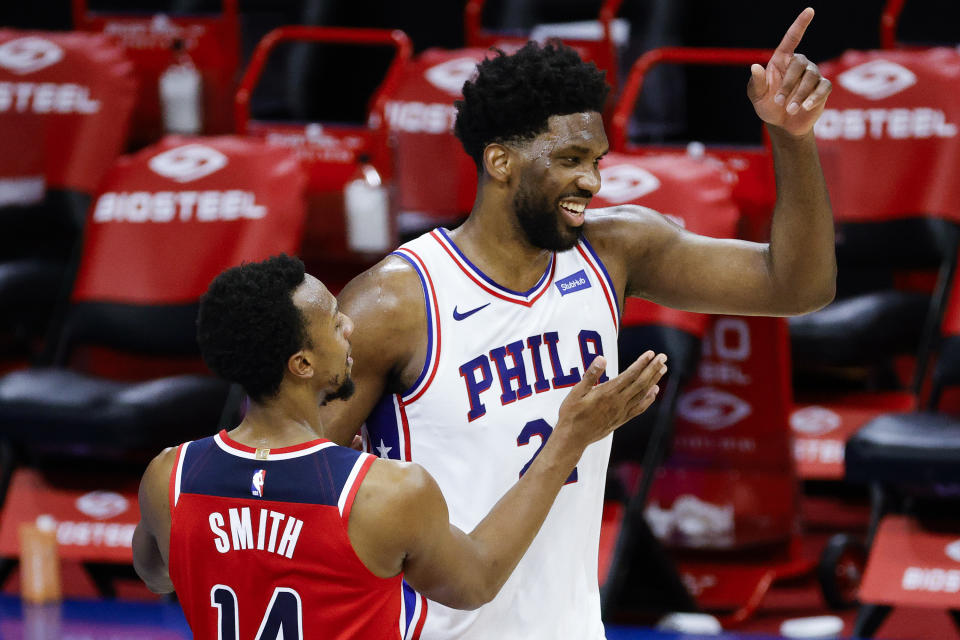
541	223
344	391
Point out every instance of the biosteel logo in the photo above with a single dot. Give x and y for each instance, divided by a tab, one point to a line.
953	550
623	183
29	54
713	409
813	421
188	163
449	76
101	505
877	79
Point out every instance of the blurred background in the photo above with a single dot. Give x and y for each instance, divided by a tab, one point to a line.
792	469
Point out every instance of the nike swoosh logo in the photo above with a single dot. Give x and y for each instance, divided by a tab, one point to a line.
467	314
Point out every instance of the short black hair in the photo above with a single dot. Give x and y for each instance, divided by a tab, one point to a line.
512	96
248	326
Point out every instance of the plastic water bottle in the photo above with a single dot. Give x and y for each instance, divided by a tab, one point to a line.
367	208
39	561
181	93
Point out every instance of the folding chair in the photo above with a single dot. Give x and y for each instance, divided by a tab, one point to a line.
212	40
65	101
696	193
127	379
888	146
435	180
334	153
911	462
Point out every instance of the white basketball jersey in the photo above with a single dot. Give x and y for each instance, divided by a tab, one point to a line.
499	363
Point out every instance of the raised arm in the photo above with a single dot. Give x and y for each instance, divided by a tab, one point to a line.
151	538
796	272
400	520
388	343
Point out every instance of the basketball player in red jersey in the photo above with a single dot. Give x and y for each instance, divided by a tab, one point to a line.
272	529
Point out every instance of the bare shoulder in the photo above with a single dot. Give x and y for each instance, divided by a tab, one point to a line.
612	228
396	485
401	495
161	466
388	293
396	504
154	494
628	236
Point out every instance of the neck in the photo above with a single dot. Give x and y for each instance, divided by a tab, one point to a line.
493	240
281	421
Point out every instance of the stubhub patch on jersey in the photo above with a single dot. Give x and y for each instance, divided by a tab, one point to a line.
576	282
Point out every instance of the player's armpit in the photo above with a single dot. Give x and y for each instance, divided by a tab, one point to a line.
151	539
386	305
148	562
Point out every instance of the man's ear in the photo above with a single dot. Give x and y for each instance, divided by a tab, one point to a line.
300	364
498	162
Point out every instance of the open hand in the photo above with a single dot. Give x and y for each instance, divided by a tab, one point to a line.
591	411
789	93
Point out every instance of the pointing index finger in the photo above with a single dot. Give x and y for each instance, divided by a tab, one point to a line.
793	35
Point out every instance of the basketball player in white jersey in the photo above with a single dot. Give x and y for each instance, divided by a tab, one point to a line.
467	340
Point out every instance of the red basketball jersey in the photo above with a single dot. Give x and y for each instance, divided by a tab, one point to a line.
259	545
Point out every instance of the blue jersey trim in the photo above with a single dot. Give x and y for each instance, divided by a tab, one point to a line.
427	305
606	274
489	280
317	479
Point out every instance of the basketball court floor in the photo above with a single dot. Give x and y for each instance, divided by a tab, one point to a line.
89	619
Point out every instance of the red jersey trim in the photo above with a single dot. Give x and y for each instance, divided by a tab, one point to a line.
422	620
614	315
405	428
353	483
231	446
175	474
526	300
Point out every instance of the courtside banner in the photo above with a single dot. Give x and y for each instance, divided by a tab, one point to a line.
694	193
913	564
420	114
219	200
889	139
732	462
94	518
65	106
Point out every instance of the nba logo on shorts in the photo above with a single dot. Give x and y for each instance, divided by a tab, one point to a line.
256	487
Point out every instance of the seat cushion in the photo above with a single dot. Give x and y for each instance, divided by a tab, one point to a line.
860	330
29	287
909	449
53	410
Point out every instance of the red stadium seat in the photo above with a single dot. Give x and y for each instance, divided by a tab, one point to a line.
212	41
601	51
332	152
436	180
127	380
65	103
910	461
725	502
695	193
890	149
165	222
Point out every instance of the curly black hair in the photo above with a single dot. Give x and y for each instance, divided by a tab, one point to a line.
512	96
248	326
